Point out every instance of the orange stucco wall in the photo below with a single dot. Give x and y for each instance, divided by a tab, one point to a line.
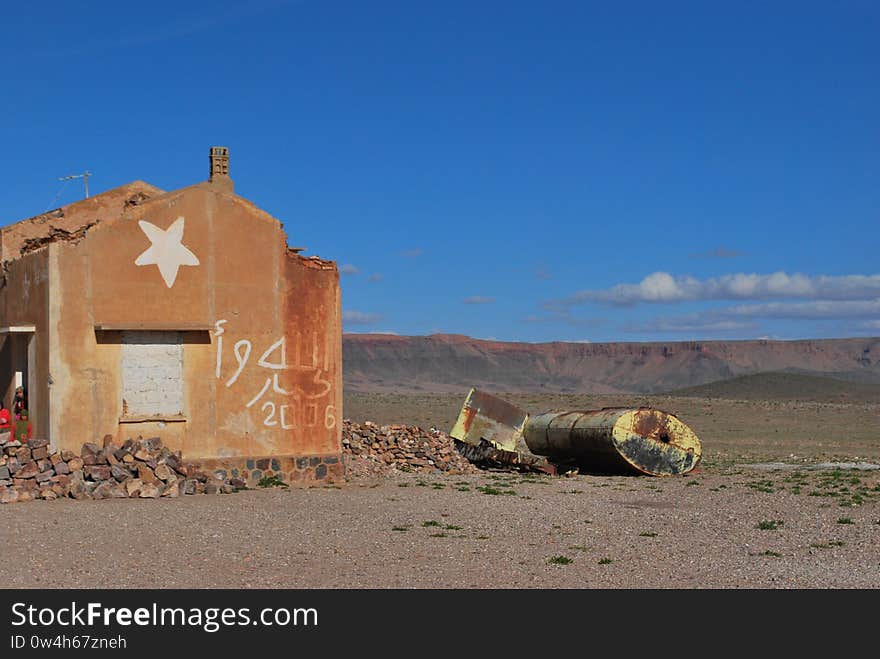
262	347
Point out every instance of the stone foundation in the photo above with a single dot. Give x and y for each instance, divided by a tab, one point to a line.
301	471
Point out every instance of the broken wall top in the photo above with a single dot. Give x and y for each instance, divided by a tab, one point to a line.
70	223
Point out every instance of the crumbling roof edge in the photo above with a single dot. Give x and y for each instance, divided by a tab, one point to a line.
137	183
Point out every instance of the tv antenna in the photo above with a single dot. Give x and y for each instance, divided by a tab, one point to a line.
84	176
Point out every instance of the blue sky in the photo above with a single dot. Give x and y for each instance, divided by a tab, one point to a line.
536	171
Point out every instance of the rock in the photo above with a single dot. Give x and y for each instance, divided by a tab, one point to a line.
119	473
149	491
39	453
25	495
4	472
109	441
67	456
43	476
62	468
37	443
8	495
142	454
127	458
75	464
189	486
110	490
28	470
174	463
89	453
146	474
110	456
212	487
97	472
164	472
133	486
171	490
77	486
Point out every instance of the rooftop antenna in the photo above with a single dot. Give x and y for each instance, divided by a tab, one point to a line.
84	176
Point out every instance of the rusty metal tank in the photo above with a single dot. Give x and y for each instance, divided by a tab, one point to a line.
642	440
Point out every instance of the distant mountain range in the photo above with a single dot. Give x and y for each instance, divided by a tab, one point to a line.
450	363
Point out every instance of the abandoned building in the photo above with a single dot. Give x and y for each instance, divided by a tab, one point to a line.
183	315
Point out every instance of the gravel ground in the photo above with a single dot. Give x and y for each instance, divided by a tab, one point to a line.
411	531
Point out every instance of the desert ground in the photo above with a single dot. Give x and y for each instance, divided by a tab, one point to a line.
727	525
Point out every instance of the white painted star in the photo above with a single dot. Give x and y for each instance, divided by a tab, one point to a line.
167	251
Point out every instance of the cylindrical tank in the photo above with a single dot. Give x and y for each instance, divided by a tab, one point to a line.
616	440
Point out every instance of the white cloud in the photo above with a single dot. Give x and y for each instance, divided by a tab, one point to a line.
662	287
360	317
691	323
373	278
478	299
348	269
816	309
743	316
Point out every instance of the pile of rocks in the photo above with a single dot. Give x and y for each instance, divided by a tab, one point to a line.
139	468
374	450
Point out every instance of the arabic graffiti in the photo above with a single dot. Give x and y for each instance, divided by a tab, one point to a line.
295	405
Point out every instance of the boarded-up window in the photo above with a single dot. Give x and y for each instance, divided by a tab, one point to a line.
152	373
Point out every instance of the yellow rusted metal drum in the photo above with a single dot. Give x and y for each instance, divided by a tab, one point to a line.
617	440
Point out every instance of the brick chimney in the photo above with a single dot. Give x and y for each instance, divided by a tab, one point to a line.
219	174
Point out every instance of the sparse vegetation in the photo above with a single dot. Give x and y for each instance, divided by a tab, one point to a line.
560	560
488	489
605	561
844	520
648	534
770	524
828	545
271	481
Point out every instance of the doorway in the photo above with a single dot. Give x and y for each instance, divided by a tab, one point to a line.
17	358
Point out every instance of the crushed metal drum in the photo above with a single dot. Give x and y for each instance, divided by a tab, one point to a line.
616	440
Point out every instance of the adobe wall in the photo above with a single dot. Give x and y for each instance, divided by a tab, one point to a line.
262	341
